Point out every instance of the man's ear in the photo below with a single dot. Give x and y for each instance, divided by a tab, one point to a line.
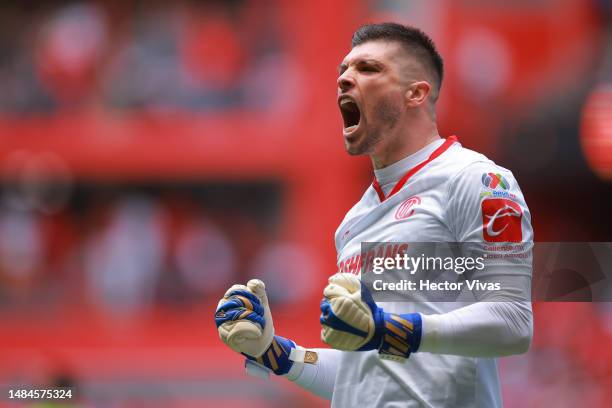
417	94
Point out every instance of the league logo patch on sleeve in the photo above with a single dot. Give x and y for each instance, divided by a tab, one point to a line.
494	181
501	220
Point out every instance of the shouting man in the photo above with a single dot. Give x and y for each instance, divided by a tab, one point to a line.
425	189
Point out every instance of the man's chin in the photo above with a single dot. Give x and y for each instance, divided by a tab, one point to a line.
359	146
354	149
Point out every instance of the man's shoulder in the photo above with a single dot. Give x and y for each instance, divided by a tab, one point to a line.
461	161
477	177
367	200
362	206
463	157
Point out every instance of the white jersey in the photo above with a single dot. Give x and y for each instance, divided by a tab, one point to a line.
442	193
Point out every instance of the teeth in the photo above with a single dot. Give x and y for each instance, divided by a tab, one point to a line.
350	128
348	104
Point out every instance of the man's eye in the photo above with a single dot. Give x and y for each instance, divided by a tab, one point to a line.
368	68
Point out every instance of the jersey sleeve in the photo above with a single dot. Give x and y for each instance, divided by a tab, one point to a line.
486	208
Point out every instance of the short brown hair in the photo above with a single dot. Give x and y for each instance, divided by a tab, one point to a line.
414	40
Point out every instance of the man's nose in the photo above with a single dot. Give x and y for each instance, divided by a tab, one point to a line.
345	82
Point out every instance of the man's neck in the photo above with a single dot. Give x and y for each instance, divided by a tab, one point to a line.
406	146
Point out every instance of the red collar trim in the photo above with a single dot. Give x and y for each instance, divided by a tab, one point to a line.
443	147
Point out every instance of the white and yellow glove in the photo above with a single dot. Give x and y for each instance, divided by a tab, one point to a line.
244	320
244	323
352	321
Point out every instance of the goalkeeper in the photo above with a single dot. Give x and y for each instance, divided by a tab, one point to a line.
425	189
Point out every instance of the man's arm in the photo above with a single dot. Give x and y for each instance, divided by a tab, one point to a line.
488	329
499	324
318	378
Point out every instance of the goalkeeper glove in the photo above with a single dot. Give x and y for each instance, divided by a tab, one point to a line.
352	321
244	323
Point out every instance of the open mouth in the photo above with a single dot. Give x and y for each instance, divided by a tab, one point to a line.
351	115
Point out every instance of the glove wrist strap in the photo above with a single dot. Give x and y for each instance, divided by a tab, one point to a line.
276	357
400	335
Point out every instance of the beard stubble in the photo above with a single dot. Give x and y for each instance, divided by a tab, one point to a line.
386	115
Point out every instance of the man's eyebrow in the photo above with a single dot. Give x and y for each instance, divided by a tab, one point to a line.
369	61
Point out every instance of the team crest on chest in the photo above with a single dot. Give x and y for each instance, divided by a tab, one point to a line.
406	208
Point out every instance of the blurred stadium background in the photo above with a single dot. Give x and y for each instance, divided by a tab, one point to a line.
152	153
